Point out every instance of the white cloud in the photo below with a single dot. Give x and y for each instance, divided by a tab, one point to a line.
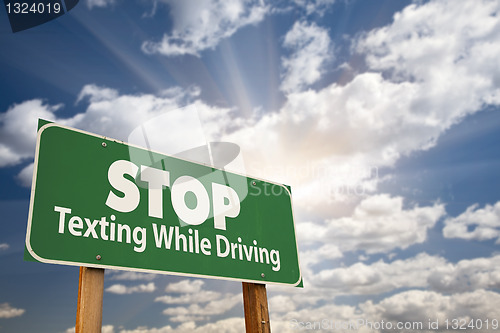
129	275
104	115
4	246
436	42
200	304
379	277
414	308
122	289
475	224
26	175
423	271
202	296
367	123
459	40
228	325
466	275
185	286
281	303
379	224
99	3
107	329
97	94
311	50
422	306
104	329
311	257
18	130
429	69
7	311
106	108
195	312
315	6
202	25
298	320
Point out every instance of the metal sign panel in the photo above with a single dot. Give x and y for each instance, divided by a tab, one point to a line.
100	202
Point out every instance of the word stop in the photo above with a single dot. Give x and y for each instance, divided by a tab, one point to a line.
225	200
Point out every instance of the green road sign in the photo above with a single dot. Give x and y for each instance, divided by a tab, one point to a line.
99	202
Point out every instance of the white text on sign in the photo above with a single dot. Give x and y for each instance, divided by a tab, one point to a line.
225	201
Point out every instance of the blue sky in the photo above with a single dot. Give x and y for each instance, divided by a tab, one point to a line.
381	115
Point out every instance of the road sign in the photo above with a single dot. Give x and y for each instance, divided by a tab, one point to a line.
99	202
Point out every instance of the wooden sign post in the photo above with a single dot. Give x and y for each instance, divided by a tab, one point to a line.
256	310
89	308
